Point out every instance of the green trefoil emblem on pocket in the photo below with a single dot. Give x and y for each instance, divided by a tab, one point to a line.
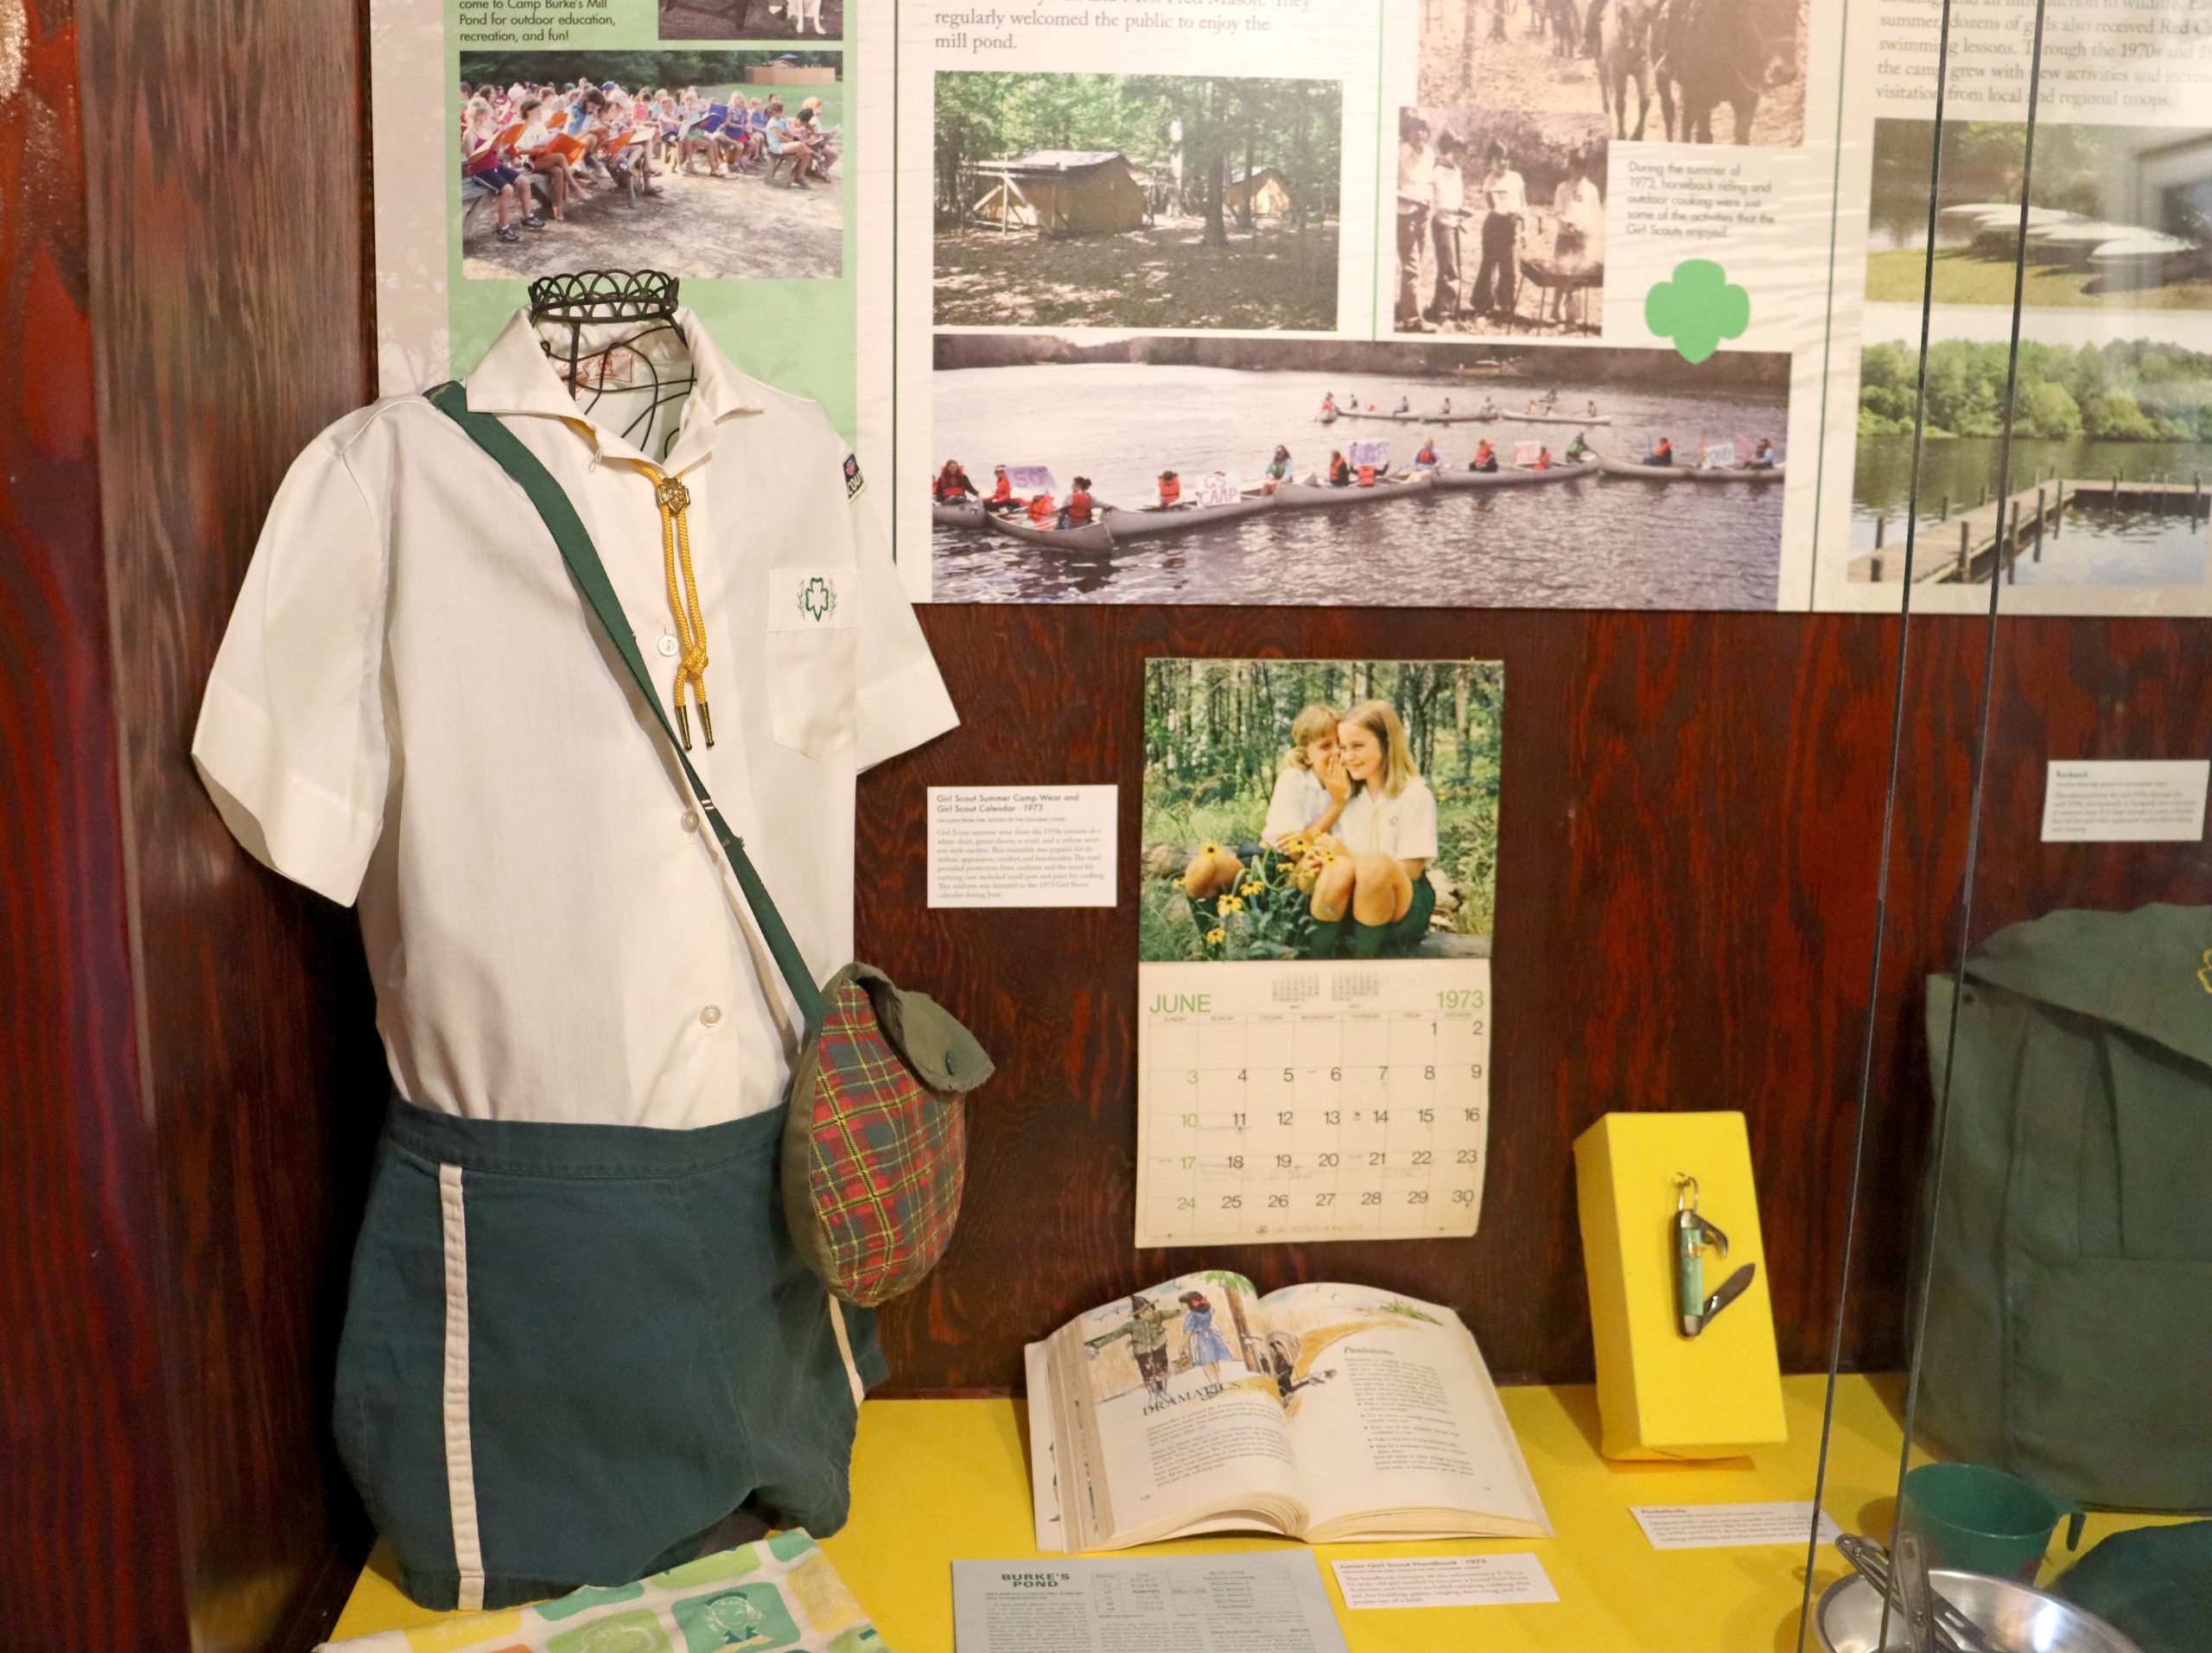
817	599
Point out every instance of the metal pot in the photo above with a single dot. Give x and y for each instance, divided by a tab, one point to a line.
2014	1617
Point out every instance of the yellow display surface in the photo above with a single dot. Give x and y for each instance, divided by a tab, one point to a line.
1662	1395
938	1481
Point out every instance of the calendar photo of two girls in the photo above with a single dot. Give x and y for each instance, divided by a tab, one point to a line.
1320	809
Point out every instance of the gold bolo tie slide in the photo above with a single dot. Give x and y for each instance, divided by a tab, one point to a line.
673	499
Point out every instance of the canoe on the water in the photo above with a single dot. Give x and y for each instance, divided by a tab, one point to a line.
1138	524
1314	492
1557	418
1502	478
1472	417
1693	473
1092	537
966	515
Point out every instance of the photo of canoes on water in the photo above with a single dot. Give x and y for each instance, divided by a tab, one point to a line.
1326	472
2107	480
2115	215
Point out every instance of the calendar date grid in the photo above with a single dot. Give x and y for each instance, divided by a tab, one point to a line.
1298	1124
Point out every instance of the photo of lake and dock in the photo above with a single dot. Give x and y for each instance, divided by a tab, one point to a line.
2107	481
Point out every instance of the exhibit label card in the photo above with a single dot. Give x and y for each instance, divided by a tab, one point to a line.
2125	801
1728	1526
1021	846
1445	1581
1204	1604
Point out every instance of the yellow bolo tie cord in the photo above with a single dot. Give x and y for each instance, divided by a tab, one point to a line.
674	499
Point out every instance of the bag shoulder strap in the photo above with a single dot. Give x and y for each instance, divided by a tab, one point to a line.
507	451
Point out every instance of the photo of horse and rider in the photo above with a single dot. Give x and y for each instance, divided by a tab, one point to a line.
1672	71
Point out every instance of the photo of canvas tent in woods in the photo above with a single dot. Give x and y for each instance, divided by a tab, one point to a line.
1237	750
1683	71
1064	192
1158	201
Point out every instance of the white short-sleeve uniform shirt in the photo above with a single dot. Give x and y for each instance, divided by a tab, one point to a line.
1298	800
413	709
1403	828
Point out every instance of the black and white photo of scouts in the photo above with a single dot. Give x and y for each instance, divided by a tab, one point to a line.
1501	222
1654	71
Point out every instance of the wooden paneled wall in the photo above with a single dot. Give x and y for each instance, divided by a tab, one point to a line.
83	1443
1689	864
190	1078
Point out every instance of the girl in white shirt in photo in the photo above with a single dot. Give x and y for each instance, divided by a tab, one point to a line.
1376	896
1311	792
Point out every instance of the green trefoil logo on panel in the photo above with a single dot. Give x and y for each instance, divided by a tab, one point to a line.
1698	309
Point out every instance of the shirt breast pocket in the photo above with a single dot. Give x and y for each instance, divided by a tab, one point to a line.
813	657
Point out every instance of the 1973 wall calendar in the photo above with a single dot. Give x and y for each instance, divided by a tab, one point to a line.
1314	983
1311	1101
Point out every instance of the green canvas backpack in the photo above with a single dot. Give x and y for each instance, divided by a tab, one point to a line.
2069	1312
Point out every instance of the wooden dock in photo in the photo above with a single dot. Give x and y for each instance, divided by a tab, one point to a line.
1969	546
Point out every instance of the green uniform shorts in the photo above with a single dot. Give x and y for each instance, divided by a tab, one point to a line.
571	1352
1347	937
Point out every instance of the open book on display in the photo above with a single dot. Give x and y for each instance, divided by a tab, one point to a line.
1320	1412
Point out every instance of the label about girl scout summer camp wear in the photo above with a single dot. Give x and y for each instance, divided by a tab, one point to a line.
1318	856
1023	846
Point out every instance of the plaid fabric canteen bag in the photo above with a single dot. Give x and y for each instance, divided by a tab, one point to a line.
874	1140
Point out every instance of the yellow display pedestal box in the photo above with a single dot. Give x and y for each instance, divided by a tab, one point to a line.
1662	1394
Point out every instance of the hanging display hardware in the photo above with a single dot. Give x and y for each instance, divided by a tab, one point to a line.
1692	1235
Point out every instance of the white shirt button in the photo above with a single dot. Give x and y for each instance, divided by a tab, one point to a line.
690	820
710	1015
667	646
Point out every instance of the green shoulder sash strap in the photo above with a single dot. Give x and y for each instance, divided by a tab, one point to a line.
569	533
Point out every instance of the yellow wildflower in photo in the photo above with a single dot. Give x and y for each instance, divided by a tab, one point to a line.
1230	904
1252	886
1216	937
1209	849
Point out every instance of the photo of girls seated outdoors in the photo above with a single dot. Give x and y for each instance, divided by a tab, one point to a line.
700	163
1320	809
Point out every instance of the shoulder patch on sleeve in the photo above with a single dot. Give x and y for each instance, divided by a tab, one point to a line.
853	483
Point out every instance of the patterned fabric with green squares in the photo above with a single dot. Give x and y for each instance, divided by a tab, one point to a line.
778	1596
